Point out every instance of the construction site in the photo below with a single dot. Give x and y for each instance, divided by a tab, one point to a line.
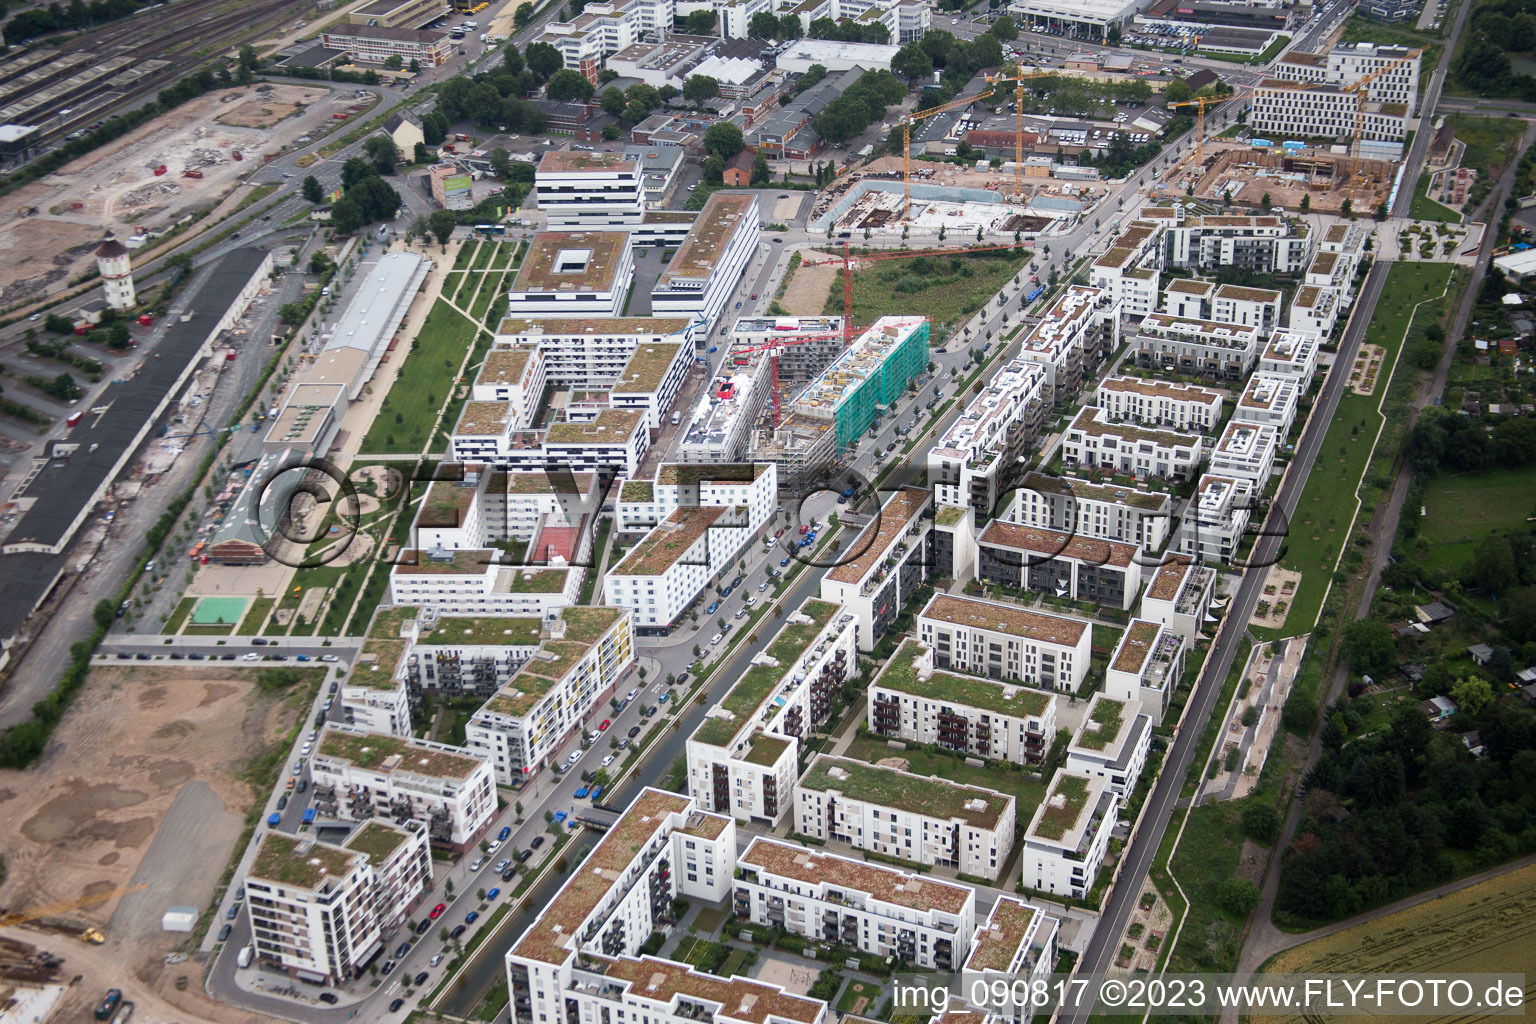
1245	175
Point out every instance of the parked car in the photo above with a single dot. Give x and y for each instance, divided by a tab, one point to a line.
401	950
472	917
634	731
421	979
395	1004
606	723
423	925
608	760
328	998
389	965
492	894
504	834
224	931
538	841
510	873
437	911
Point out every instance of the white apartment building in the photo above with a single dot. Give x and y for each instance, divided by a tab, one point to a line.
1263	244
744	756
911	817
1017	939
1315	311
652	379
911	700
925	922
596	353
516	375
753	486
1251	307
1346	240
1094	511
1246	451
573	274
1179	597
1058	564
1269	399
588	655
360	775
1329	269
1067	838
1127	271
970	464
614	439
1146	667
578	189
1112	743
659	577
1212	527
702	275
1158	403
1189	298
319	912
1094	442
580	954
1291	353
476	582
1004	641
1081	328
1190	347
883	567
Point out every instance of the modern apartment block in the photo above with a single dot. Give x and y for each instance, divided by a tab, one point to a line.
643	504
1112	743
517	375
1146	667
579	957
1291	353
1269	399
1213	524
1251	307
1077	568
1127	271
720	424
911	817
1017	939
870	375
984	448
912	700
1158	403
1246	451
573	274
885	564
743	758
1263	244
1094	511
589	653
360	775
1067	838
1094	442
884	911
703	273
577	189
660	576
590	353
320	911
1315	310
1080	329
1179	597
614	439
1197	347
1004	641
1189	298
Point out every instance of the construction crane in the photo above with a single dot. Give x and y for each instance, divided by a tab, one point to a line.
1019	77
87	934
1202	102
1359	89
772	347
906	144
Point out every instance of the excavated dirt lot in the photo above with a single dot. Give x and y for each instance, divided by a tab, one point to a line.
143	750
116	188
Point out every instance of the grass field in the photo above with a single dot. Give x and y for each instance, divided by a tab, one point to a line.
405	418
1024	788
180	615
1322	518
945	289
1484	928
1464	509
1424	208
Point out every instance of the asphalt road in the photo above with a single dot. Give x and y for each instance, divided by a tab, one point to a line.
1102	948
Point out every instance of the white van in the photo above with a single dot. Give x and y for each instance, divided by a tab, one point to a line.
247	953
677	417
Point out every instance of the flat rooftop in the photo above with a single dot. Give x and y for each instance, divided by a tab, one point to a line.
1007	394
1083	490
581	162
387	754
866	356
612	426
1043	545
1105	722
298	862
875	542
484	418
998	941
668	541
889	885
740	999
1153	388
621	326
901	674
1092	421
916	794
1135	646
699	255
1169	578
1005	618
1063	816
647	368
571	261
504	366
688	474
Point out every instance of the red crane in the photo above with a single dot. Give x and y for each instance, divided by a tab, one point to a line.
773	347
899	254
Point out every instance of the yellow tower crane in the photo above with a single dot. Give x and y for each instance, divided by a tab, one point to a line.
906	145
1201	103
1359	89
1019	77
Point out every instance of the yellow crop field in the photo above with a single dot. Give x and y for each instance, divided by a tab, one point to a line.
1485	928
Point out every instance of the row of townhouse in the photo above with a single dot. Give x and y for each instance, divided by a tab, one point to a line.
1094	442
1061	565
1195	299
1157	403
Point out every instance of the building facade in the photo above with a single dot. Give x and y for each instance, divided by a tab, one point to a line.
1002	641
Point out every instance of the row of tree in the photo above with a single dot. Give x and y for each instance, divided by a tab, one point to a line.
73	16
860	105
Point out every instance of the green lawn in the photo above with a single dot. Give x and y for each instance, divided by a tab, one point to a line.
180	615
1490	141
1322	518
467	253
1462	510
256	615
945	289
1424	208
405	418
1025	790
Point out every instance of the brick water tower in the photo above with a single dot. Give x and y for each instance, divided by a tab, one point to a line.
116	272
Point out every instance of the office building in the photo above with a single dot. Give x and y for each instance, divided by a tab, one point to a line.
878	573
1112	742
398	13
882	911
1157	403
702	275
1060	565
1146	667
1315	109
578	189
913	701
376	44
1067	838
1004	641
451	186
977	457
910	817
360	775
1093	511
744	756
1095	443
573	274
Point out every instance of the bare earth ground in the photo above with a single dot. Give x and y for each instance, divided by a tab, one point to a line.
807	291
116	187
146	755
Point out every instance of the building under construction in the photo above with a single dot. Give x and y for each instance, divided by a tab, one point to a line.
1246	174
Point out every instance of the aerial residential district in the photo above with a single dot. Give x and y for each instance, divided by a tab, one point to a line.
643	512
